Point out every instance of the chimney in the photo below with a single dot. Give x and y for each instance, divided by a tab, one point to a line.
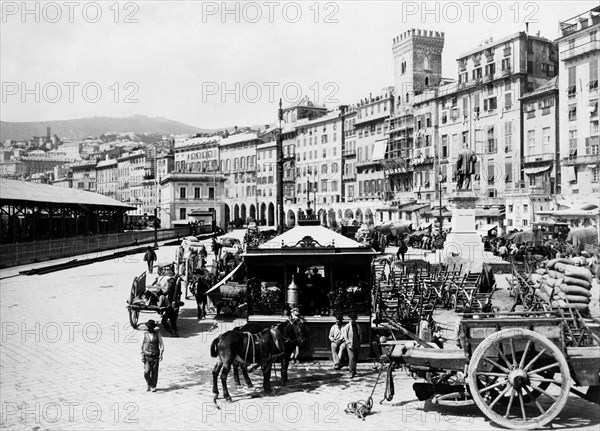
527	27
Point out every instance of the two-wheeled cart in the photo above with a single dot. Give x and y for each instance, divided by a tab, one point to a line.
519	368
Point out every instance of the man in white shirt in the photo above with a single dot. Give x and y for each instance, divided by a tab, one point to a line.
338	344
351	335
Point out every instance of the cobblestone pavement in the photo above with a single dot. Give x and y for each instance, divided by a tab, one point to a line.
69	360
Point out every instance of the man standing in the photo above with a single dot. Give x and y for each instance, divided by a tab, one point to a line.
402	249
150	257
351	335
152	354
465	167
338	344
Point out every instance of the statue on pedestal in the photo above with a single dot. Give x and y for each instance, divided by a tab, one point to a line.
465	167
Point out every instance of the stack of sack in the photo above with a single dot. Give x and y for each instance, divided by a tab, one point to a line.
563	284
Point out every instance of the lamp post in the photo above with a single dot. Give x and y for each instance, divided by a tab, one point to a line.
440	178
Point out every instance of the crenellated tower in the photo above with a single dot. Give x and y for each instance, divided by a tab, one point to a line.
417	63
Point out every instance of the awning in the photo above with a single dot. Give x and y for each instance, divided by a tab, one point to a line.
568	174
487	227
414	207
537	169
425	225
379	150
492	212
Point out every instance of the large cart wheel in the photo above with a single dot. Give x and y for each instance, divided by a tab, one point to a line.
509	377
134	313
134	316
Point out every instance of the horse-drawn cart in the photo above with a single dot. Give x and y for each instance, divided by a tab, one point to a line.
518	368
166	282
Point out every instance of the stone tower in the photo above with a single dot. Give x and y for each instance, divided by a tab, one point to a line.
417	63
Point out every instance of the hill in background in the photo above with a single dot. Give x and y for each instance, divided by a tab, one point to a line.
95	126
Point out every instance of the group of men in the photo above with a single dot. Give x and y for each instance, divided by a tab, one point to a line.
345	338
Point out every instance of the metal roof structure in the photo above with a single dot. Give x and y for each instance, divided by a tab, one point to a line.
23	191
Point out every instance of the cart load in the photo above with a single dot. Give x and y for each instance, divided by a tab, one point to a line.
562	284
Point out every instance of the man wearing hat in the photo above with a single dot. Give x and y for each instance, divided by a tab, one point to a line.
351	335
338	345
152	354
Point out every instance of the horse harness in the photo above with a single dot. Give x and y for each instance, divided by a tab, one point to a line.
266	357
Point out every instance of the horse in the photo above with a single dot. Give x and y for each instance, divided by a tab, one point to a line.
261	349
199	288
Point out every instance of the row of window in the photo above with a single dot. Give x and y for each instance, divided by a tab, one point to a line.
199	192
313	187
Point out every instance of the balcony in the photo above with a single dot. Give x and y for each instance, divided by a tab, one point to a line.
423	161
583	49
506	72
364	163
349	152
522	189
581	160
349	177
536	158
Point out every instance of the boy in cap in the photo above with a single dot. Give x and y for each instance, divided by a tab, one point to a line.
351	335
152	354
338	344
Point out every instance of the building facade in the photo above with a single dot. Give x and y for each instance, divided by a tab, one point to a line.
579	51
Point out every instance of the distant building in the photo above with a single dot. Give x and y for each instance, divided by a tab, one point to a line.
579	50
540	159
107	177
238	164
183	193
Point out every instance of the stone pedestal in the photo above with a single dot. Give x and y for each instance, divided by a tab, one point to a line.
464	240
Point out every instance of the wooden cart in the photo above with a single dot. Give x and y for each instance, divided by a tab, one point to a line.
136	303
519	368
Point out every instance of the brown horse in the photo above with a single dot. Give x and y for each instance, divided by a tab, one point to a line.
262	349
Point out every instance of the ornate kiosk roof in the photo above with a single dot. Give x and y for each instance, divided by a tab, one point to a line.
310	240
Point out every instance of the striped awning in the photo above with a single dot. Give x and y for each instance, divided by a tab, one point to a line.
537	169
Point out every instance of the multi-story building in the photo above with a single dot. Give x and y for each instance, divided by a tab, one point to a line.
349	190
183	193
266	184
540	159
481	110
84	176
579	51
197	154
107	177
237	155
131	168
371	131
318	166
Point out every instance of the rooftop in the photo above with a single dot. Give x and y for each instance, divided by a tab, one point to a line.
493	43
311	238
579	22
23	191
551	85
239	137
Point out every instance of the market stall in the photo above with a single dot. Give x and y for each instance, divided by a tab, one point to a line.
317	270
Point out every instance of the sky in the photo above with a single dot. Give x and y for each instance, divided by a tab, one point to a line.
220	64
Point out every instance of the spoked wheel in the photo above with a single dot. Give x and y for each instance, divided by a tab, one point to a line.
134	316
519	379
